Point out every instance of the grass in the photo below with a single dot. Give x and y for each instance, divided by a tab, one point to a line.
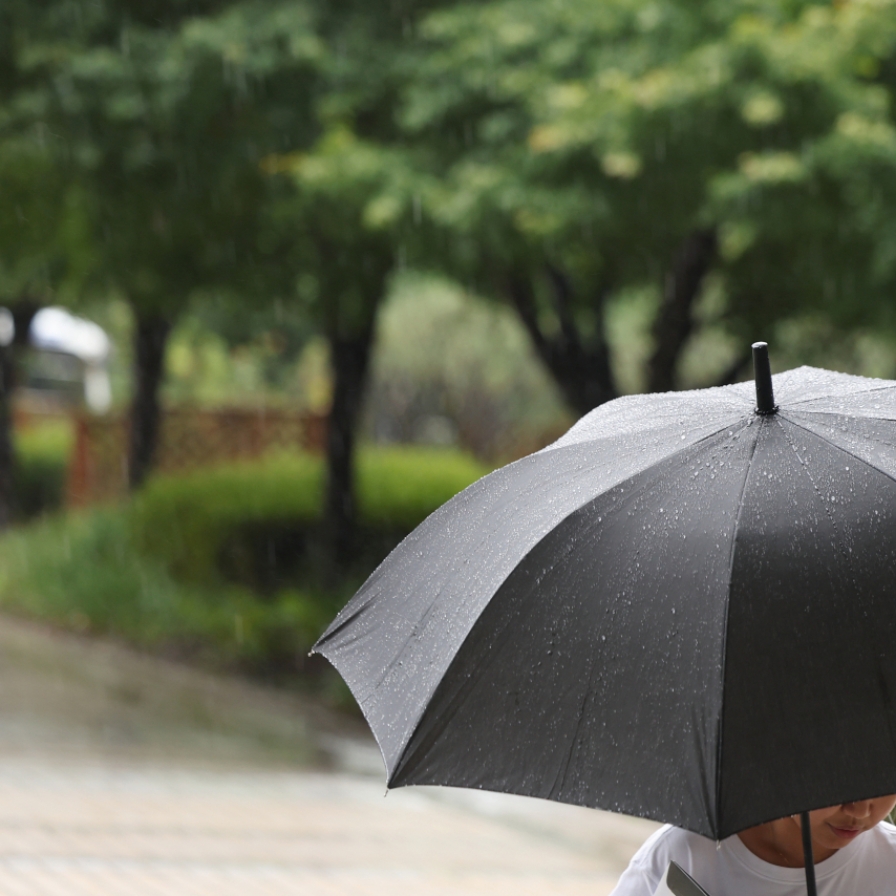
81	571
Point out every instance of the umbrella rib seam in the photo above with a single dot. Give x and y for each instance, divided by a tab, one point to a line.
805	468
736	415
856	392
855	415
846	451
865	436
843	550
736	529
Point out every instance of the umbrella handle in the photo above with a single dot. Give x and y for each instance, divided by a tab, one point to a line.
808	858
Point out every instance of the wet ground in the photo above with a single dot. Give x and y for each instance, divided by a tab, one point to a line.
122	774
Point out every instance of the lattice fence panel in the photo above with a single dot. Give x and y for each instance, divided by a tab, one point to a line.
189	439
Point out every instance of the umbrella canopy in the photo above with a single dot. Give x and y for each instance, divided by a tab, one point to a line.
684	609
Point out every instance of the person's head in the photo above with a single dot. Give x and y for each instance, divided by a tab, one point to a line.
780	842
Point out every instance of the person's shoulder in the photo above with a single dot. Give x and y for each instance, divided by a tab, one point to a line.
878	856
663	844
671	842
885	835
649	864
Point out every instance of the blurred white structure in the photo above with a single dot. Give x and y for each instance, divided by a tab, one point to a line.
7	327
69	357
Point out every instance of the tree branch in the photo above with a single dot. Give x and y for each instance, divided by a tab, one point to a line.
561	289
583	374
522	297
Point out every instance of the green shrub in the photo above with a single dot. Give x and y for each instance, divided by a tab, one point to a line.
81	572
184	521
227	523
400	487
42	456
151	572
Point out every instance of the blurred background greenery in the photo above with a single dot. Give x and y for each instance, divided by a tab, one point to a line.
426	235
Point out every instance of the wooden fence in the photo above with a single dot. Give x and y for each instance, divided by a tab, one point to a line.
189	439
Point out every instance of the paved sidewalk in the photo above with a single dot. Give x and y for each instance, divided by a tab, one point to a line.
190	802
80	828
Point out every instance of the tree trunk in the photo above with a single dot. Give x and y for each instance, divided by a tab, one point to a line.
675	319
150	339
350	362
23	313
580	369
7	451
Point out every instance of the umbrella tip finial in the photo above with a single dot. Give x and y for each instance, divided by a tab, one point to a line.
765	397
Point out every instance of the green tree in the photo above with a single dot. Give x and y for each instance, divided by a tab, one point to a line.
167	114
32	259
43	240
807	218
164	117
349	214
585	149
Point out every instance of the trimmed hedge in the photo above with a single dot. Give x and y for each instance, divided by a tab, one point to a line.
210	526
42	456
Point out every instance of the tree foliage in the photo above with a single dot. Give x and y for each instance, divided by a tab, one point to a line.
584	149
161	118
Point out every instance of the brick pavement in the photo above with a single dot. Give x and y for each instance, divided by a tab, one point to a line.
126	776
72	826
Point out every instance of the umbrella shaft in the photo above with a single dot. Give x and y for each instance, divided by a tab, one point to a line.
808	858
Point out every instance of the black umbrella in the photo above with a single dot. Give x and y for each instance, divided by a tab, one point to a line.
682	610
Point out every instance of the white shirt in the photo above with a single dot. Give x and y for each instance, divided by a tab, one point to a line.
866	867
